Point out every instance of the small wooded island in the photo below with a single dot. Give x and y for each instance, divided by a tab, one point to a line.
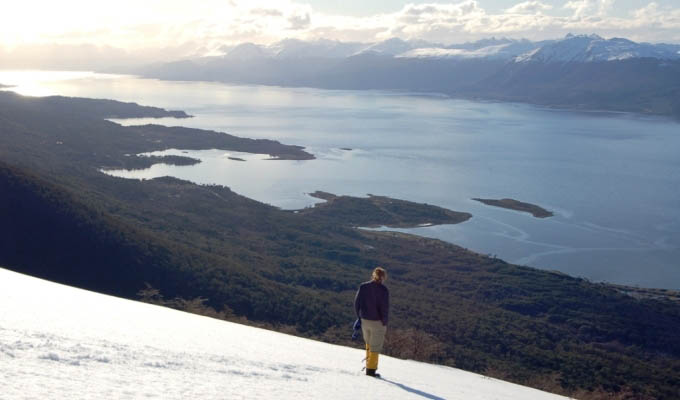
511	204
376	211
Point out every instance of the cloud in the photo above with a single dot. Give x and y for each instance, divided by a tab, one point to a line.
587	8
468	20
209	25
419	14
455	22
529	7
298	22
654	14
268	12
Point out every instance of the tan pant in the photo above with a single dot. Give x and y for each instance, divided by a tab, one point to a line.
374	336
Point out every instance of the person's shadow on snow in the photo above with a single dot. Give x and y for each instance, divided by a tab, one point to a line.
414	391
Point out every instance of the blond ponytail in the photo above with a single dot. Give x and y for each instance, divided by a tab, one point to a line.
379	274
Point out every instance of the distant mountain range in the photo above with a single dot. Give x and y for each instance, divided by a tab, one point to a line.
577	71
579	48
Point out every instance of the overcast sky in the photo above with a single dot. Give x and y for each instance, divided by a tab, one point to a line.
205	25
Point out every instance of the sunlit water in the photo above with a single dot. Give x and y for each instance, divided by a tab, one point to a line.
613	180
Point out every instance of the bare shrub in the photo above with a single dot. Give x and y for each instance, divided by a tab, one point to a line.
195	306
413	344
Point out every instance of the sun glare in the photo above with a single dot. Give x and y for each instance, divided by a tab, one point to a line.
41	83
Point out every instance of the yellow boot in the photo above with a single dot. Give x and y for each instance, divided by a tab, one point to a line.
372	363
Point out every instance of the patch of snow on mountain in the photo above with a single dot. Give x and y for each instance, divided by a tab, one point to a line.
488	51
322	48
493	48
57	342
528	56
621	56
395	46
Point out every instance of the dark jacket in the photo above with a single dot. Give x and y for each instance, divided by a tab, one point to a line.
372	302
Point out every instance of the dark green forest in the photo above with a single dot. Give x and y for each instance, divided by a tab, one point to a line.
207	249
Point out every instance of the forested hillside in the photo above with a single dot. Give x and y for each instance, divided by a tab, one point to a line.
64	220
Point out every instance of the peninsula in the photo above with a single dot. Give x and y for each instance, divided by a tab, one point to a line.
105	108
111	145
375	211
142	161
511	204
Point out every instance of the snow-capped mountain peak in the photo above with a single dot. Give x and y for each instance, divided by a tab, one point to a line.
590	48
247	51
396	46
321	48
592	36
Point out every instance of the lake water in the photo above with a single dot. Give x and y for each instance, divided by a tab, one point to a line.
613	180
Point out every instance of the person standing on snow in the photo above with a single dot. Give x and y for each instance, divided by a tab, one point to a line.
372	306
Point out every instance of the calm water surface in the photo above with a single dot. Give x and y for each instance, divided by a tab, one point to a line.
613	180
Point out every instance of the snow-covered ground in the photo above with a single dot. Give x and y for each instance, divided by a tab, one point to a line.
57	342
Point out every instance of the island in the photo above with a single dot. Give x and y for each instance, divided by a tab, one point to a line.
376	211
235	159
511	204
142	162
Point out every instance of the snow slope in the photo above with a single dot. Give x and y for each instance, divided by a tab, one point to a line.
57	342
